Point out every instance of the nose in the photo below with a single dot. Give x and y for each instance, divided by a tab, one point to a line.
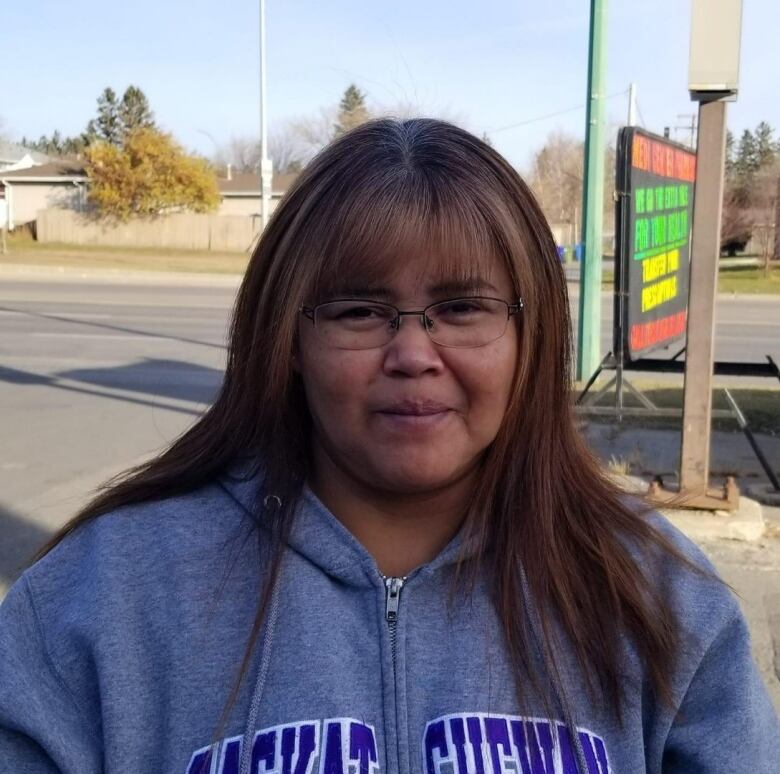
411	352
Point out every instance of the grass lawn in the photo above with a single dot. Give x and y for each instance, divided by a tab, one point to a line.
731	279
28	252
761	407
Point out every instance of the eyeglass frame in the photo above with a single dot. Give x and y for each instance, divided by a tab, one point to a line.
395	324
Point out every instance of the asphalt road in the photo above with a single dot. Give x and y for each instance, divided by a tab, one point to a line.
97	375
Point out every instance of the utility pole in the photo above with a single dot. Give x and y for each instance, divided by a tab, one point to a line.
631	105
589	327
266	167
713	79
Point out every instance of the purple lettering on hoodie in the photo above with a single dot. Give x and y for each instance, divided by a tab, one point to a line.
264	751
200	763
475	737
497	735
458	731
301	740
521	745
362	748
231	756
333	753
540	747
435	739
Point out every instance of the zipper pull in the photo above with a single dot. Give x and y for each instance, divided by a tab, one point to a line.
393	586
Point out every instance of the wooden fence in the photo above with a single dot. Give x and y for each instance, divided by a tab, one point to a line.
184	231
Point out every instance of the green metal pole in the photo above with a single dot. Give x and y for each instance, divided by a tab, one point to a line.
589	328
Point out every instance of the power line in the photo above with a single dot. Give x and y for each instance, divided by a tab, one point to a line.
550	115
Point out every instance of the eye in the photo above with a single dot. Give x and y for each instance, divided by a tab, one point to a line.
355	313
460	308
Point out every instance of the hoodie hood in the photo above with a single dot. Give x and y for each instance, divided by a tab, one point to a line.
320	537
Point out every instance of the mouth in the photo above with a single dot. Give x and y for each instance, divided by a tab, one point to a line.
414	409
413	415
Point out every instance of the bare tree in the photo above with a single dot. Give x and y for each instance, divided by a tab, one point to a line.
766	185
243	153
556	176
314	132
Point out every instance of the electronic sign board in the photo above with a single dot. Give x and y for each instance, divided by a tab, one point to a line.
654	215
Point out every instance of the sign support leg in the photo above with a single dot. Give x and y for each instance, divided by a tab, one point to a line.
705	249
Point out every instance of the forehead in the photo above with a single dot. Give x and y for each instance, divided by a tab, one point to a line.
427	275
407	257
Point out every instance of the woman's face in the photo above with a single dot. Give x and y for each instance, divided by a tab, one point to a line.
411	416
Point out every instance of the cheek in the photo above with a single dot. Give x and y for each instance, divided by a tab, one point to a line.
487	382
335	385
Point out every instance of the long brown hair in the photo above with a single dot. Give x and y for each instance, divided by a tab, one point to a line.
542	504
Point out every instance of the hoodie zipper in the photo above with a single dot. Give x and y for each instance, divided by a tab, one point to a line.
393	588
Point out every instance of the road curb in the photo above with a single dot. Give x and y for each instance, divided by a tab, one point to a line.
138	276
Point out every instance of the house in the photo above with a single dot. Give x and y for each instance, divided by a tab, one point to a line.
58	183
64	183
14	156
240	193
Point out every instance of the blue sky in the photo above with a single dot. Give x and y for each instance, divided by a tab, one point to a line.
490	64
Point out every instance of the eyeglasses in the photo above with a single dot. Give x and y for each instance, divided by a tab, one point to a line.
458	322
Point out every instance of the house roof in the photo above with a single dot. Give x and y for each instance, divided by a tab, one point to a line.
11	152
248	183
61	170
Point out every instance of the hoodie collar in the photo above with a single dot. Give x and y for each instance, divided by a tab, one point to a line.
320	537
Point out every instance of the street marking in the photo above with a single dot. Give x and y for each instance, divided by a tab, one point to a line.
103	336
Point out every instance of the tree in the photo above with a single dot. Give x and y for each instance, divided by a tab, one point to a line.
116	119
243	153
134	111
107	126
764	201
56	145
352	111
149	175
749	196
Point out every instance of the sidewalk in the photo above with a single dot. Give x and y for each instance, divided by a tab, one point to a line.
744	546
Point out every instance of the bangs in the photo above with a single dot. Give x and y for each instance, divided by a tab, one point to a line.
381	229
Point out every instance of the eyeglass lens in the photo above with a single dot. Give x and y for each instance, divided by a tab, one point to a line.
461	322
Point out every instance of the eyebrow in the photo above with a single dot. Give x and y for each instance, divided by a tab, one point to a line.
446	288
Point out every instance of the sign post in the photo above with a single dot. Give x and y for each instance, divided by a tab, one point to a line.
713	79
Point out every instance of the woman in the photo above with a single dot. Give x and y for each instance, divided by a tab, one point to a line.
385	547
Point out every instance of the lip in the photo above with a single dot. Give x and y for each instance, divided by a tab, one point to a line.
413	416
414	408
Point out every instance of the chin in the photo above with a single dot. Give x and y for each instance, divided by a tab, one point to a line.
417	478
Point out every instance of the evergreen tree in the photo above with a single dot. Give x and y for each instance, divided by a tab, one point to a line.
729	155
107	126
352	110
765	145
134	111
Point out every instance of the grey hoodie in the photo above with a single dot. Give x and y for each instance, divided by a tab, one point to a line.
119	648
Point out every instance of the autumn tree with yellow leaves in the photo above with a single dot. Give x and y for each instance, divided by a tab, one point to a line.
149	174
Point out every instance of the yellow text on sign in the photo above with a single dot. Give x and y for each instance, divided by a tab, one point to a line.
659	265
659	293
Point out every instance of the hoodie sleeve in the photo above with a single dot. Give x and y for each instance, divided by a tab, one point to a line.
726	722
42	728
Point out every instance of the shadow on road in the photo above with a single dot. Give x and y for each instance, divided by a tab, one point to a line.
147	382
110	327
19	540
165	378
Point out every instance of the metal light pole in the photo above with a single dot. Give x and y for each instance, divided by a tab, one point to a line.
266	168
589	328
